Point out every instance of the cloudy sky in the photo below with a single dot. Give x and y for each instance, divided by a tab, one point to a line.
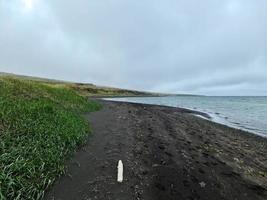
213	47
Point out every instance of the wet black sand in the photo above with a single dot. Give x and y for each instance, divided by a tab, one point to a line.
167	154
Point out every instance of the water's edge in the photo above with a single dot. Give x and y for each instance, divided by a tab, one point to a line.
206	116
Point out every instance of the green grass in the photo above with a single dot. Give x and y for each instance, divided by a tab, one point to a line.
40	126
84	89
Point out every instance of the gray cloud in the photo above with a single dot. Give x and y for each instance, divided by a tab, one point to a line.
209	47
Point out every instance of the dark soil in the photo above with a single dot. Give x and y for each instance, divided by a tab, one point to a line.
167	154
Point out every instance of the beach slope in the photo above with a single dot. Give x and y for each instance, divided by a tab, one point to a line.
167	153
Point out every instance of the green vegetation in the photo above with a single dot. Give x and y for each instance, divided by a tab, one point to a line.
85	89
40	125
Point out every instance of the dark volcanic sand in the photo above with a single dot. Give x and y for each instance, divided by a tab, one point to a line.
167	154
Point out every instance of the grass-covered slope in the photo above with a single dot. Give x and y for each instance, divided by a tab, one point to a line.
85	89
40	125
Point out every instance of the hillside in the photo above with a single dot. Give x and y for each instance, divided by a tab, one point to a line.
85	89
41	124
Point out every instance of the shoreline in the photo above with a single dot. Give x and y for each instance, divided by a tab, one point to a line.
198	113
167	153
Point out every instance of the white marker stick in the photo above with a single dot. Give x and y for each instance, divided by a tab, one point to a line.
120	171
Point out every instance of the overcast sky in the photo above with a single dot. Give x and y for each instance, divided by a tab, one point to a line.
212	47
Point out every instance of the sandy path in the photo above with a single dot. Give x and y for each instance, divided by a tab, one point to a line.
167	154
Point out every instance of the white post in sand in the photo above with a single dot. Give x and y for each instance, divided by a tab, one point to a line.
120	171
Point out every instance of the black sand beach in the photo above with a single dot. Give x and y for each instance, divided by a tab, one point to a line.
168	154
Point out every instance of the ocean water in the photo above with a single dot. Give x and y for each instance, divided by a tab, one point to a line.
246	113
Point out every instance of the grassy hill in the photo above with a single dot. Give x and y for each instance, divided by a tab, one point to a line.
41	124
85	89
